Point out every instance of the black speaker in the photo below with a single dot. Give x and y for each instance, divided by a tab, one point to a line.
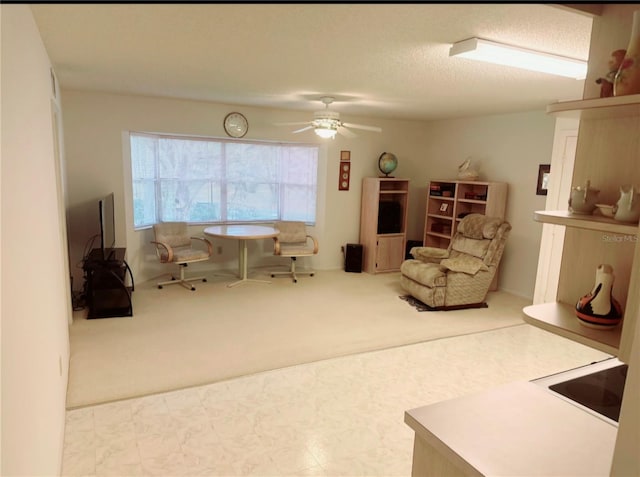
353	258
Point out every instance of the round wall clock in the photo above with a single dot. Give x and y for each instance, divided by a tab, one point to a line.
235	124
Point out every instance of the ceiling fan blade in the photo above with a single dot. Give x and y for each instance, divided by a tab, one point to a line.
303	129
360	126
345	132
297	123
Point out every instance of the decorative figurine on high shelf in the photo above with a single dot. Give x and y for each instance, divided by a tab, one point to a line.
627	79
606	83
466	172
598	309
627	209
583	199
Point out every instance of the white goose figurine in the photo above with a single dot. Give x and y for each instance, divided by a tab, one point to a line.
465	173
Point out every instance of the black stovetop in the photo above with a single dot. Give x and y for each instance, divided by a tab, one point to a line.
600	391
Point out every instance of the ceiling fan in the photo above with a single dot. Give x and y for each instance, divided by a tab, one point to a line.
327	123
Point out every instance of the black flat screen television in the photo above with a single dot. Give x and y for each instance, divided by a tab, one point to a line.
107	226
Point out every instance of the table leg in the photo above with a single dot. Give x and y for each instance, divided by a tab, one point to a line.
242	259
243	266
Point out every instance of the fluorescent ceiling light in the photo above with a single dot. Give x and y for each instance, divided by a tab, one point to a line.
498	53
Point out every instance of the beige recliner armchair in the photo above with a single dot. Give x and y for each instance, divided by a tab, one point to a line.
460	276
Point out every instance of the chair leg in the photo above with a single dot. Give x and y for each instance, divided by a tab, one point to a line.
293	272
182	280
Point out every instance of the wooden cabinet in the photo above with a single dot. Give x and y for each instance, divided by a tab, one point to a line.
608	129
449	201
383	223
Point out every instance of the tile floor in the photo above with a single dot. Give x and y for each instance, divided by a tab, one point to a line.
338	417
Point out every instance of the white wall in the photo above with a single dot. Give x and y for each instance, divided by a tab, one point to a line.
510	146
94	125
35	344
506	148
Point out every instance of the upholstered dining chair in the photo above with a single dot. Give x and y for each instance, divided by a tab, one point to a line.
293	241
461	275
174	245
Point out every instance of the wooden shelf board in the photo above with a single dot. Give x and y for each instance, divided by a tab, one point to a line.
560	318
436	234
440	197
461	182
436	216
393	191
598	108
473	201
589	222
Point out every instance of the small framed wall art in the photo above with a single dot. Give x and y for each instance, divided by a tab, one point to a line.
345	170
543	179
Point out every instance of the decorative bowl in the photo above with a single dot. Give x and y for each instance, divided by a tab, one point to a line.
605	209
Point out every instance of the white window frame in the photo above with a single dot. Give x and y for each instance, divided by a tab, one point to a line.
224	141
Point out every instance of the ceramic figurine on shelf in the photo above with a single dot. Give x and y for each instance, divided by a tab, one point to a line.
627	80
599	309
466	172
606	83
583	199
627	209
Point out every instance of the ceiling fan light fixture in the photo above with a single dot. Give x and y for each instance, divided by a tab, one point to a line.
502	54
326	124
327	127
325	132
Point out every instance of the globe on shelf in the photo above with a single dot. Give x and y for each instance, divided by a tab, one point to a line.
387	163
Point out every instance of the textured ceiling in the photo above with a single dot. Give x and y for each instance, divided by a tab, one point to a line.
378	60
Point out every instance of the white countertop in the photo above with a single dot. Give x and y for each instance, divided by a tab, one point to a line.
519	429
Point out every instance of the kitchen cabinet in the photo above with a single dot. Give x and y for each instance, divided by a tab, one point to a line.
383	223
516	429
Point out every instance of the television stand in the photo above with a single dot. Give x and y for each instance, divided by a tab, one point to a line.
107	294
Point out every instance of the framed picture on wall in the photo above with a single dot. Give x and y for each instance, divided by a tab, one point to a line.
543	179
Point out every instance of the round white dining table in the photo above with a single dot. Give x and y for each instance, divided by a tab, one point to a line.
242	233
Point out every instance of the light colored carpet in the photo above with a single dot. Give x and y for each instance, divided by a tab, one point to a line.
179	338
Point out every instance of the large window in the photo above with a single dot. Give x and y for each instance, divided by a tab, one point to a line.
205	180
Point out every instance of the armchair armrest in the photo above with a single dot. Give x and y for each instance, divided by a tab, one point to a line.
169	251
429	254
315	243
277	247
205	241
